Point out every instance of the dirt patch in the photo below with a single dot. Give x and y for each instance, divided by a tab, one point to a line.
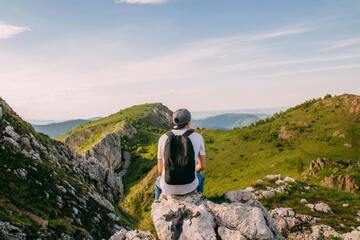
339	134
284	134
39	220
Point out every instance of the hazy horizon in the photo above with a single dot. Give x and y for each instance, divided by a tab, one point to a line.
76	59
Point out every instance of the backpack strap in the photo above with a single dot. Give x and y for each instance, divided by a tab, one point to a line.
170	134
188	132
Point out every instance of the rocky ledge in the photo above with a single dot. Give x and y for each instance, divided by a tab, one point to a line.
193	217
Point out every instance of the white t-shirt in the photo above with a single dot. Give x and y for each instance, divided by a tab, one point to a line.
199	149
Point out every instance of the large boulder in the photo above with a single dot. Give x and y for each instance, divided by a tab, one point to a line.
192	217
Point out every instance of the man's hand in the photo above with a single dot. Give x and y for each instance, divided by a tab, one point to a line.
160	166
200	166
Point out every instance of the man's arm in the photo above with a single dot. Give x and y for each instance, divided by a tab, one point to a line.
200	166
160	165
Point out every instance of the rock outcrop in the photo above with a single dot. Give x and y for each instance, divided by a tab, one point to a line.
10	232
287	219
341	182
72	191
191	217
123	234
344	182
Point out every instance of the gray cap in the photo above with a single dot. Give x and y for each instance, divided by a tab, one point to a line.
181	117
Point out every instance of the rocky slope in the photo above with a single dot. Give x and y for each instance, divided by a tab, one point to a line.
112	139
47	191
240	216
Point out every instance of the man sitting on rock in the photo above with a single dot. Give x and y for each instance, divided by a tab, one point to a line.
181	158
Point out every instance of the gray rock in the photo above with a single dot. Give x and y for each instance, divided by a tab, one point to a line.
319	207
190	217
11	142
11	232
102	201
289	179
286	218
267	194
238	196
303	201
1	113
10	132
272	177
21	173
132	235
59	202
108	151
354	235
61	188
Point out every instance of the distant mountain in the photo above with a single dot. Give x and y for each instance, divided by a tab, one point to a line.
56	129
254	111
227	121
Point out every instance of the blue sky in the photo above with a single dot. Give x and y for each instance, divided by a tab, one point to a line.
80	58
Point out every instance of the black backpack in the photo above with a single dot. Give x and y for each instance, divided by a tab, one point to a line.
179	159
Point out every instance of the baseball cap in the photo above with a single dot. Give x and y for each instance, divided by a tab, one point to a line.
181	117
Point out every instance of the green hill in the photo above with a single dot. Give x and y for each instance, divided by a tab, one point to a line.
286	144
148	119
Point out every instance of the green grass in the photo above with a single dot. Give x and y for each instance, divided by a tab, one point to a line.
237	158
341	218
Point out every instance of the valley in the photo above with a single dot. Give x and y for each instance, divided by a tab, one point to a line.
112	161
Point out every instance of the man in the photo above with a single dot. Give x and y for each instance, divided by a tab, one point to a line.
181	158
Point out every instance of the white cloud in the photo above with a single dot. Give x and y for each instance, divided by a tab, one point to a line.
9	31
141	1
343	43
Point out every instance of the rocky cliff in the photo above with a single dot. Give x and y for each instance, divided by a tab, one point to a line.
105	143
47	191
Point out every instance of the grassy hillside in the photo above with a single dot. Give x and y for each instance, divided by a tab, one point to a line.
284	144
144	118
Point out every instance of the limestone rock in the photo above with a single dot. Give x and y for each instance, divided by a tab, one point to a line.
132	235
319	207
10	232
238	196
354	235
272	177
287	218
108	151
342	182
191	217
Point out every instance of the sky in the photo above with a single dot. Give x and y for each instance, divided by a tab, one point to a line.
80	59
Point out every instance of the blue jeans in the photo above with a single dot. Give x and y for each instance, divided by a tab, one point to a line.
200	187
